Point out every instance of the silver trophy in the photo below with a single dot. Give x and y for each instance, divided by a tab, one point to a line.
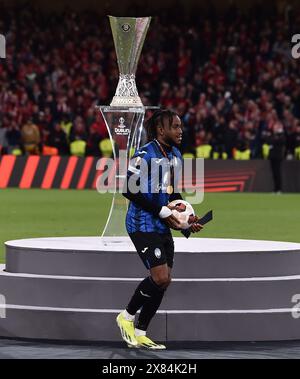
129	35
124	117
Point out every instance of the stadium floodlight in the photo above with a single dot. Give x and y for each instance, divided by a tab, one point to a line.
125	116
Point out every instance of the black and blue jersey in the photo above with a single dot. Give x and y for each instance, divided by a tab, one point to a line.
148	165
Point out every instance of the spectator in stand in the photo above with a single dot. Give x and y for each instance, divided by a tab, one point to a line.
230	138
78	131
58	139
30	137
277	143
13	137
97	132
295	148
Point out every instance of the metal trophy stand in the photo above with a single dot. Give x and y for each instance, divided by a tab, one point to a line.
125	116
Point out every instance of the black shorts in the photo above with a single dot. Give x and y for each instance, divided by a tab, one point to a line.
154	249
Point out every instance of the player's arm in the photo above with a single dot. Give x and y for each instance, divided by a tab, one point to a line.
195	227
164	212
139	199
175	196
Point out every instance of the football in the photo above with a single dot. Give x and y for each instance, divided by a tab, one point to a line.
184	213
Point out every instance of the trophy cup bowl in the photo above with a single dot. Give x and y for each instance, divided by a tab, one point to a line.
129	35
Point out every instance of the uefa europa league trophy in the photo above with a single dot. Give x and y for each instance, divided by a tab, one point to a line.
125	115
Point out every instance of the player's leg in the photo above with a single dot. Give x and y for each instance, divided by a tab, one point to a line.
150	249
161	275
150	293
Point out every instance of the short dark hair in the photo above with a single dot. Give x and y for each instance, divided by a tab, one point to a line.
156	119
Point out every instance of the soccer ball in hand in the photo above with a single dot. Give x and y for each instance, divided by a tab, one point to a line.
184	213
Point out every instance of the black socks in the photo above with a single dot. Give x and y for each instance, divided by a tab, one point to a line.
147	296
149	309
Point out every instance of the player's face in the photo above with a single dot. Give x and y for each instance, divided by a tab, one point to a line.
172	134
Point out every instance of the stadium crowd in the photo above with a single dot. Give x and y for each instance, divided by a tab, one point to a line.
230	77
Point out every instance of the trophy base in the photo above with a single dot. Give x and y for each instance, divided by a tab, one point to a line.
126	102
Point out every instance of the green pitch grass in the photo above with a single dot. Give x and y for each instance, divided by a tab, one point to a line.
45	213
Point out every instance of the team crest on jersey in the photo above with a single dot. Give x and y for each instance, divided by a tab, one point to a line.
157	253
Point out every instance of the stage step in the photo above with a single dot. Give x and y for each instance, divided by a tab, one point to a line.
194	258
99	325
200	294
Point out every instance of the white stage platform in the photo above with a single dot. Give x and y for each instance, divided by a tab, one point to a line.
197	245
72	288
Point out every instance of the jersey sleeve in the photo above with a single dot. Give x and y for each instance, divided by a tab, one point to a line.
140	159
138	167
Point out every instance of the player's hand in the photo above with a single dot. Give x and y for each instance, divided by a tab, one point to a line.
195	228
178	207
172	222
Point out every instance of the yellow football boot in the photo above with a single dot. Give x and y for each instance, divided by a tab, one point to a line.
147	343
127	330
